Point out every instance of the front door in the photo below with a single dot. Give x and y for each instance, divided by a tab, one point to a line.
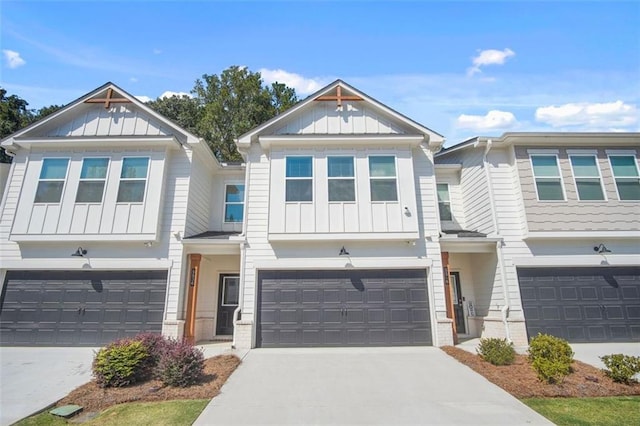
227	303
458	309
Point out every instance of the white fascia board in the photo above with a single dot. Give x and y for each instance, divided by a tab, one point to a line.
581	235
101	141
345	236
82	237
85	264
469	245
209	246
593	260
569	138
344	262
341	140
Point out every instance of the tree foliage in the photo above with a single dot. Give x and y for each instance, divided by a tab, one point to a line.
235	102
182	110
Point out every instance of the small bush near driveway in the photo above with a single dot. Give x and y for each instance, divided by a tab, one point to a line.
621	368
550	357
496	351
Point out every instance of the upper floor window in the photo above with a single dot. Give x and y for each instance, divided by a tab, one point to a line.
234	203
92	179
299	179
133	179
587	177
382	175
51	182
547	177
444	203
625	172
341	179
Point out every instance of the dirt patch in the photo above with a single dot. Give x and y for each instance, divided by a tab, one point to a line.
94	398
520	380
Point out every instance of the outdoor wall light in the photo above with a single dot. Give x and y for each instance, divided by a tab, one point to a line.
601	249
343	252
79	253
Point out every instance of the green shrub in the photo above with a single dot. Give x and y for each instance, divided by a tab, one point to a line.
497	351
120	363
621	368
181	364
550	357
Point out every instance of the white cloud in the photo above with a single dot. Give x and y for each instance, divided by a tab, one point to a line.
302	85
157	51
133	79
492	120
169	94
142	98
610	115
13	58
489	57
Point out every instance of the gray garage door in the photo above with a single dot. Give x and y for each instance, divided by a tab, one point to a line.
582	304
58	308
343	308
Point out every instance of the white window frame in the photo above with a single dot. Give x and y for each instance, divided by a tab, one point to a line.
394	177
576	178
81	179
533	173
146	179
353	178
64	181
311	178
224	288
615	179
225	202
444	202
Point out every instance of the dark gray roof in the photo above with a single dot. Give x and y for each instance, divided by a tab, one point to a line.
462	233
214	235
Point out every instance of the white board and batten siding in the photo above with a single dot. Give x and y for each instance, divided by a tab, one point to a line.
90	221
321	218
324	118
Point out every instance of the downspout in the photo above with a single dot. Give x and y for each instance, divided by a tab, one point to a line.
503	278
243	251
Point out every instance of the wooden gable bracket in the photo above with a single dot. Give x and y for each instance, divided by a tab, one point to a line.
338	97
108	100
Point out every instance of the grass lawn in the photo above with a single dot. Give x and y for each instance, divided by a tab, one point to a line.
613	411
179	412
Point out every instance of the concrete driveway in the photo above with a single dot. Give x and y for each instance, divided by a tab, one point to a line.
341	386
34	378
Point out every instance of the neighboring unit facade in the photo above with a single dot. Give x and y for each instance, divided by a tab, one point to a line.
99	200
565	209
348	225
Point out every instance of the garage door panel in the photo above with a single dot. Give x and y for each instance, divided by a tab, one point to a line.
59	308
357	308
591	304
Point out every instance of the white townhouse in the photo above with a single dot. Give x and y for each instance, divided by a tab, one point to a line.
564	212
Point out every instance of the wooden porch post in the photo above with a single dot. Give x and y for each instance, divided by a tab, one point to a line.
448	295
192	299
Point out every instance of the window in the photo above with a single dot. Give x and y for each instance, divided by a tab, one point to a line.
92	180
51	183
587	177
382	174
234	203
230	290
625	172
444	204
299	179
547	177
342	185
133	179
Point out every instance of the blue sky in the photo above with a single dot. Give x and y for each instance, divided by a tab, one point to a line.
460	68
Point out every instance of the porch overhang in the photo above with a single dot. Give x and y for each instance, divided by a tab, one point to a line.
213	242
453	244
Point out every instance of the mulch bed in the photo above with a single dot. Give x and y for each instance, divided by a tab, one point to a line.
94	398
520	380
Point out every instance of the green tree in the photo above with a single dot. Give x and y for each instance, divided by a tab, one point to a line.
182	110
235	102
14	115
45	111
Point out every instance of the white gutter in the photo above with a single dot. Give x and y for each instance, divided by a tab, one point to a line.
503	276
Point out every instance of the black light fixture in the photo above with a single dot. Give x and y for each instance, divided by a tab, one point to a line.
343	252
79	253
601	249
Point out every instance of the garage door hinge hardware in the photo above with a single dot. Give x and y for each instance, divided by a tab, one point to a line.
81	311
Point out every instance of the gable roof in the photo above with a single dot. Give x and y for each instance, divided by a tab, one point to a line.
99	95
251	136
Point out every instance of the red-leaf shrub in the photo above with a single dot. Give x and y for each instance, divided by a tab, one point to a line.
181	364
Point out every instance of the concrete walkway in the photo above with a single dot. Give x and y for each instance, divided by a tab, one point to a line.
348	386
32	379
